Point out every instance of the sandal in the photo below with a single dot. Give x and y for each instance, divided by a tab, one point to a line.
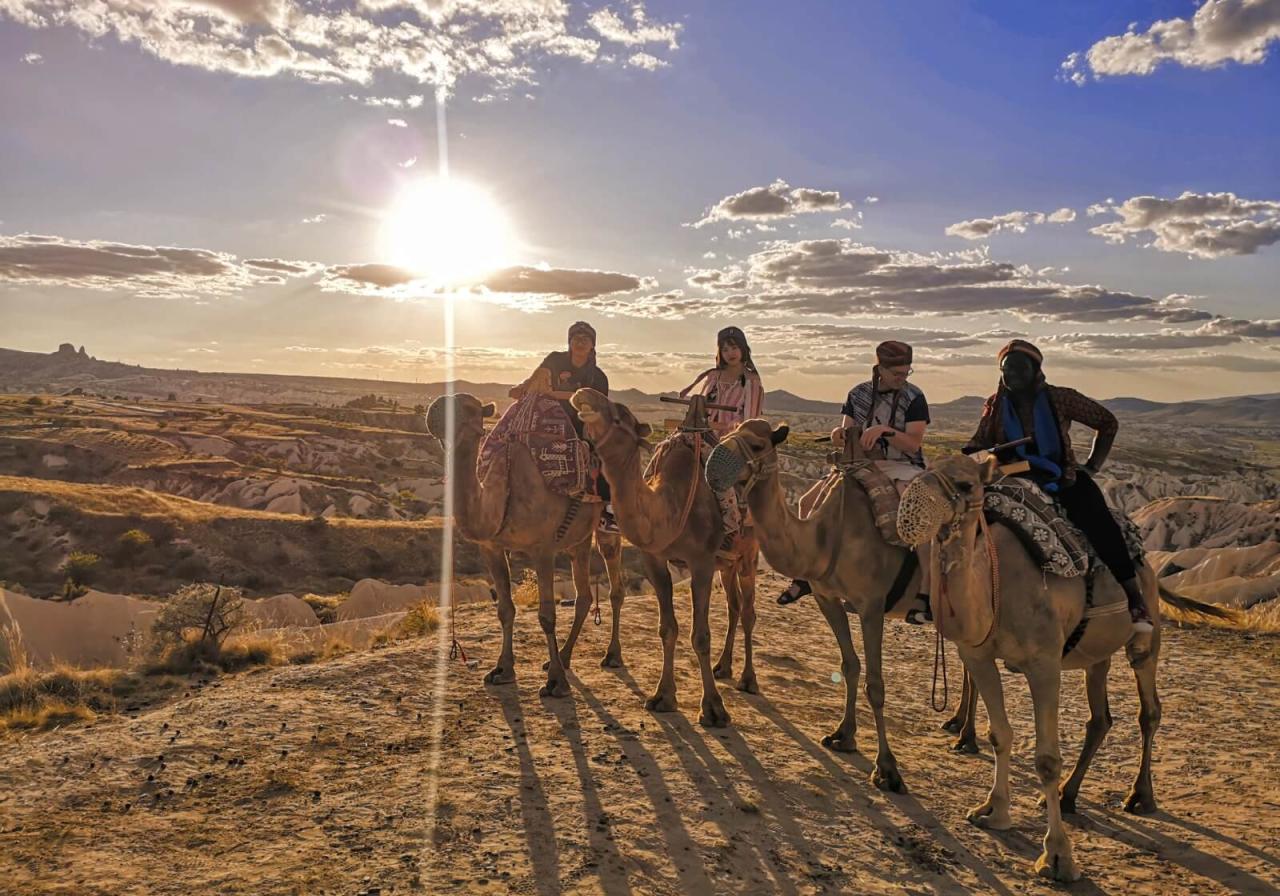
796	590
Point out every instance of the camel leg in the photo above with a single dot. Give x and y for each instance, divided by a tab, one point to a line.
994	813
733	598
885	775
1142	799
611	551
557	682
844	738
581	564
746	576
664	698
713	714
1045	679
500	572
966	718
1095	731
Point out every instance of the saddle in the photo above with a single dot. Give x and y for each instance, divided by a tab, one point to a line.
538	422
860	467
1041	524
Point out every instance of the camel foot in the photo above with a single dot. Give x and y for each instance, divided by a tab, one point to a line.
840	742
1140	803
500	674
748	683
965	744
555	687
661	703
714	715
953	724
1059	866
722	670
612	659
887	778
989	818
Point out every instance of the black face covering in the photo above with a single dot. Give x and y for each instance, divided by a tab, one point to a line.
1019	373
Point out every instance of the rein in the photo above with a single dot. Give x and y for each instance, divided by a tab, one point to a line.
948	533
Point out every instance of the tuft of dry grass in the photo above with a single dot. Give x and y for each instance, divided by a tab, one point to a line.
193	655
62	695
525	592
421	620
1260	619
334	647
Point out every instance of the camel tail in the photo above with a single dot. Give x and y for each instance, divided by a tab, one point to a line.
1189	610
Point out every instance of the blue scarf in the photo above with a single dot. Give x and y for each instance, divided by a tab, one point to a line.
1045	453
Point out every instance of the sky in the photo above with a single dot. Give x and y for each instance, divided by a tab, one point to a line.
254	185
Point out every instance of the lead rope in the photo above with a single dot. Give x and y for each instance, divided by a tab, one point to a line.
596	604
939	659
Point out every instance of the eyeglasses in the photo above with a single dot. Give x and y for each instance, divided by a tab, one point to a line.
898	371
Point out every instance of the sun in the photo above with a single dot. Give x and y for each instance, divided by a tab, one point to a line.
448	231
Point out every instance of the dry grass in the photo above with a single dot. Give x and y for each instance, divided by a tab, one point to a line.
31	700
1260	619
525	592
334	647
325	606
195	656
421	620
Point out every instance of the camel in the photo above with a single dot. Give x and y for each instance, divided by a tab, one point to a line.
1026	620
676	517
520	513
839	549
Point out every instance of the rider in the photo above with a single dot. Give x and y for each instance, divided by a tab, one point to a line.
734	382
893	415
1024	404
570	371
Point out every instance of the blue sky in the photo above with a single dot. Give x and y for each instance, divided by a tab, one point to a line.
603	147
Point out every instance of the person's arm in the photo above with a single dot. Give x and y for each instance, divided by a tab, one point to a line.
684	393
522	390
846	421
755	402
983	437
1081	409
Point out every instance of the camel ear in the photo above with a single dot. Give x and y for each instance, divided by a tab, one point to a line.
780	434
489	410
988	469
643	430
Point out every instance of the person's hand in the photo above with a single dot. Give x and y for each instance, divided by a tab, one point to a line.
872	434
516	392
837	437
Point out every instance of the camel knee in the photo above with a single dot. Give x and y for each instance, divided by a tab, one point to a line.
506	613
1149	719
668	631
1098	726
1048	768
701	642
1000	740
548	621
875	691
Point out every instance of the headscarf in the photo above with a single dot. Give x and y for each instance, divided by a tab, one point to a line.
738	338
893	353
585	329
1026	348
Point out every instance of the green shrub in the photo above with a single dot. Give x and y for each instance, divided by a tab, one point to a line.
81	567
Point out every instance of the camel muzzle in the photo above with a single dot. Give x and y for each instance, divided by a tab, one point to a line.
724	468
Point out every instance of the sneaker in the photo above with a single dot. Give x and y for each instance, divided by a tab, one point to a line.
607	522
1141	620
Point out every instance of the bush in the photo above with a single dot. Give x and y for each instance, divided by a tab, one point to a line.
202	614
35	401
422	619
130	546
81	567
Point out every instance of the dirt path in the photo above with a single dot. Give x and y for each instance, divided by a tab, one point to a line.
313	780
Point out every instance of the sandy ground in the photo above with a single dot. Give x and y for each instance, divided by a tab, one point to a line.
313	780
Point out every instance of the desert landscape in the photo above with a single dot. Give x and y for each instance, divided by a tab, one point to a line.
299	759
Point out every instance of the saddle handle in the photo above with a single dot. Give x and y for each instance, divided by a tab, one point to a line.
688	401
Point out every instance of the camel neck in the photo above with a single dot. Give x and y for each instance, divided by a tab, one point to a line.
467	489
639	507
786	539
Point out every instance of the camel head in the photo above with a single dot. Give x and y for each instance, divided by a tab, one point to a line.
745	454
604	420
944	500
469	415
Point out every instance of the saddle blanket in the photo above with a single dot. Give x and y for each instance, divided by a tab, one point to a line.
1057	545
540	424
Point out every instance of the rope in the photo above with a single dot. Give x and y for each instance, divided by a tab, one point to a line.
596	605
688	502
939	657
994	559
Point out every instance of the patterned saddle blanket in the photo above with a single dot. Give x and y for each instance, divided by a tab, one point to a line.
1056	544
879	488
538	422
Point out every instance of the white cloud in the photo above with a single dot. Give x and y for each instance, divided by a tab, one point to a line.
778	200
1203	225
33	59
434	42
846	224
1219	32
646	61
1013	222
316	219
397	122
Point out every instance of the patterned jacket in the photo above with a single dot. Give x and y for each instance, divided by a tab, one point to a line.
1069	406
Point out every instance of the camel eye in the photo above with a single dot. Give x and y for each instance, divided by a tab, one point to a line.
964	486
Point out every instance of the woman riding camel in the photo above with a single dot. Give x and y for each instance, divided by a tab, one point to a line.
734	382
570	371
1025	405
893	415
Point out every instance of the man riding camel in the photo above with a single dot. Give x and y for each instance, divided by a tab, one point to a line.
893	415
1025	405
570	371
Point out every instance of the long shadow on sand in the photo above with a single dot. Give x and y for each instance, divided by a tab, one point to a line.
681	848
536	818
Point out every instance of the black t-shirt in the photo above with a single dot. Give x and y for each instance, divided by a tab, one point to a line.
567	378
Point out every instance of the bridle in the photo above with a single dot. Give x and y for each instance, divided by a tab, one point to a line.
757	466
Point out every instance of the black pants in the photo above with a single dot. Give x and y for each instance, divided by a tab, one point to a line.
1087	508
